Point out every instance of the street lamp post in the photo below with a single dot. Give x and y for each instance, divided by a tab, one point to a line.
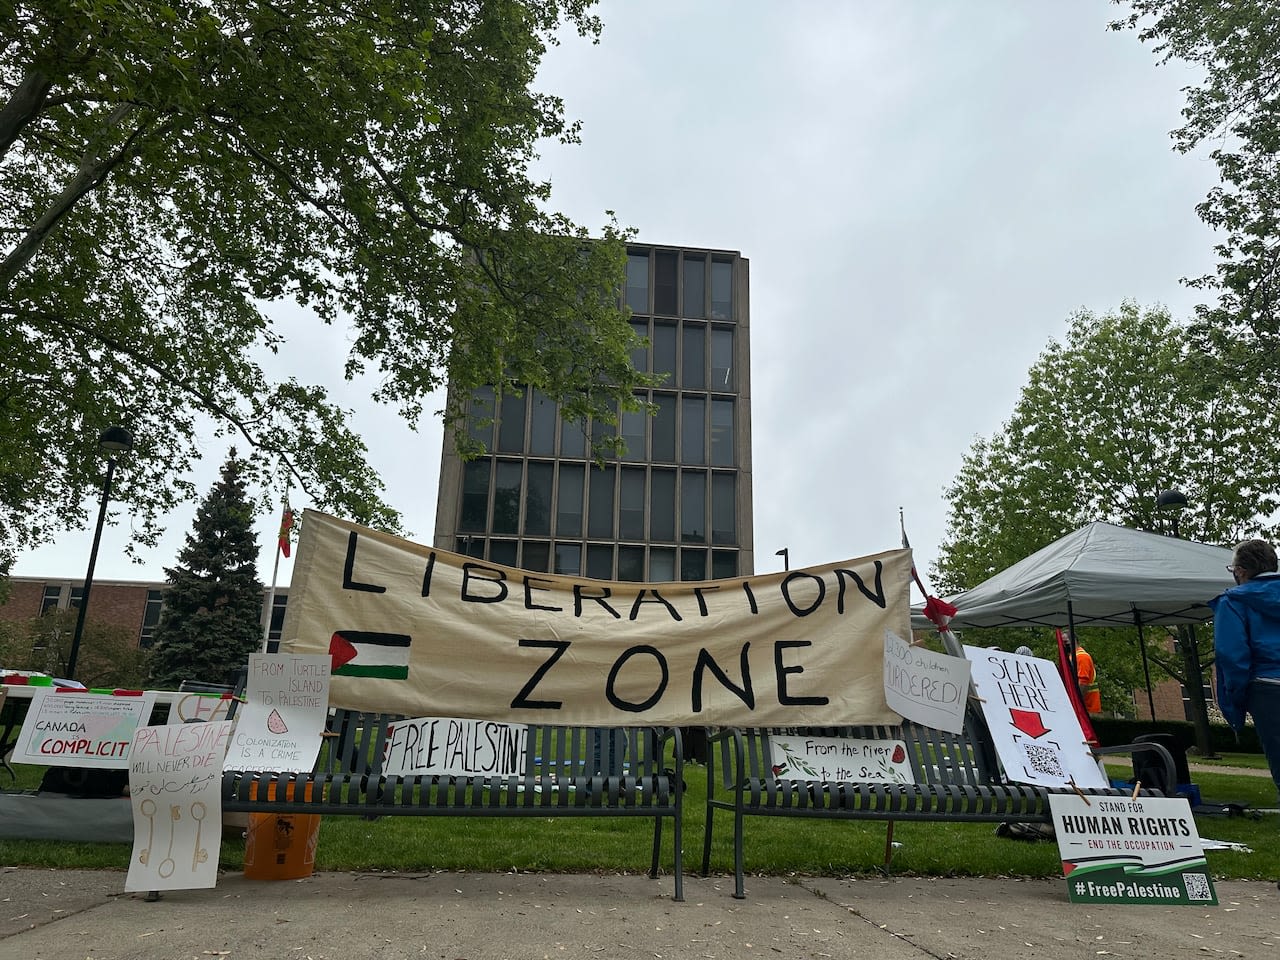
114	440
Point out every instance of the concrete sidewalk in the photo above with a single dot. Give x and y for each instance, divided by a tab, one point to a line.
77	914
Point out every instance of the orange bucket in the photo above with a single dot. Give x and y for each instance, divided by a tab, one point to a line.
280	846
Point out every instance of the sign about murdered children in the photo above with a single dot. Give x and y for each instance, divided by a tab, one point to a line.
81	729
450	746
423	632
1140	850
175	775
1035	730
286	705
925	686
839	759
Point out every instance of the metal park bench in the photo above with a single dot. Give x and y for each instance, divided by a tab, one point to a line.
954	778
569	772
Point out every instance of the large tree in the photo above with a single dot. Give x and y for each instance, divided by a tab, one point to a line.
1236	108
173	172
1117	412
211	619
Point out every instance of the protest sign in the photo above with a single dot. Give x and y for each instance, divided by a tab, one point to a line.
80	729
839	758
448	746
175	775
424	632
1131	850
925	686
286	705
1033	726
189	707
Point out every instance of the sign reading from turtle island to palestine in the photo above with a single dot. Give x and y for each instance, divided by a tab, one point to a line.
1131	850
286	705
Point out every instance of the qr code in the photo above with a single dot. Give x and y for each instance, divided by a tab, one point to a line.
1044	760
1197	886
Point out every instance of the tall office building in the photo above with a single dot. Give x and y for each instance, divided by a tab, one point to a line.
677	505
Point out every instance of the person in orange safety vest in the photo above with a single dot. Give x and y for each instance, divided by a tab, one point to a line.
1087	674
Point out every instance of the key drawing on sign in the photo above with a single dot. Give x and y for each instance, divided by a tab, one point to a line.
198	854
148	809
167	864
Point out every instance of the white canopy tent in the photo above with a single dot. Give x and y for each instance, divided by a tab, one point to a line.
1099	575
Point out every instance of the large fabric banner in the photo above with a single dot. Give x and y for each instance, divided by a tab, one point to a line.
424	632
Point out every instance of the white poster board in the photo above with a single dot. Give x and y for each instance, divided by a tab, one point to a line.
840	759
1033	725
175	776
925	686
450	746
190	707
81	729
1131	850
286	705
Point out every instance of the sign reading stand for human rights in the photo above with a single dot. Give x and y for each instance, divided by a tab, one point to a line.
423	632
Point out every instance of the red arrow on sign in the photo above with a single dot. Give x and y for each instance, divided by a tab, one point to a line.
1029	722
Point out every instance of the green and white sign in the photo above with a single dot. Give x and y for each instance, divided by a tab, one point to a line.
1122	850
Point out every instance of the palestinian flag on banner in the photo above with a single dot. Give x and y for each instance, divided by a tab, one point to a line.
360	653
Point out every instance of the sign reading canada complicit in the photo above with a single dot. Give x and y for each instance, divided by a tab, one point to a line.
425	632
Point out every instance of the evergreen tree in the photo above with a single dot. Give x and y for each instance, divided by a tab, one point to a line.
211	620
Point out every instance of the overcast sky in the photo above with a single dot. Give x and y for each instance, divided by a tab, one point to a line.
926	192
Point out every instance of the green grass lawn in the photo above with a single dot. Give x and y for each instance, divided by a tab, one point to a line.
774	846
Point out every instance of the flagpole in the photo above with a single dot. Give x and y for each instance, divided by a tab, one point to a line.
271	600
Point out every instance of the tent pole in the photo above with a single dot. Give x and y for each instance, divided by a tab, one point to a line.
1146	669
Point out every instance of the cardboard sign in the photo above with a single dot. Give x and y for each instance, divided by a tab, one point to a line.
419	631
840	759
447	746
80	729
1139	850
286	706
175	776
924	686
1035	730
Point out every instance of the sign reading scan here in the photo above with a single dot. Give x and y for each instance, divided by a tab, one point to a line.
424	632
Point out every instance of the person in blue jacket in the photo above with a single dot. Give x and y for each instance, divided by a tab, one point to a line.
1246	640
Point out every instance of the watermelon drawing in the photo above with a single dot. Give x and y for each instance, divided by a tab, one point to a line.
276	724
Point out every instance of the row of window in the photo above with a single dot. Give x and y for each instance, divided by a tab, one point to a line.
570	500
605	561
688	428
691	356
674	283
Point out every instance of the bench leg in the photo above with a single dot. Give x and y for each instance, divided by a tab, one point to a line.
739	885
706	840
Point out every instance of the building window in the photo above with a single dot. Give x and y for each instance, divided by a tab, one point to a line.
721	290
77	594
663	427
51	600
569	501
662	564
537	555
600	520
569	559
506	499
600	561
664	352
542	425
631	504
483	411
724	564
662	505
640	354
537	507
693	563
573	439
151	617
503	552
693	430
638	282
511	423
722	358
475	495
633	428
724	507
279	604
693	506
695	286
665	268
630	563
693	362
721	432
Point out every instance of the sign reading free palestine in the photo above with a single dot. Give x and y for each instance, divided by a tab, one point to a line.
1131	850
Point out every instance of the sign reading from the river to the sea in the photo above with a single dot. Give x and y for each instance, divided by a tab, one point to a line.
1123	850
1035	730
423	632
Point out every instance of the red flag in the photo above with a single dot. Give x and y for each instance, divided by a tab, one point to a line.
1067	668
286	526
